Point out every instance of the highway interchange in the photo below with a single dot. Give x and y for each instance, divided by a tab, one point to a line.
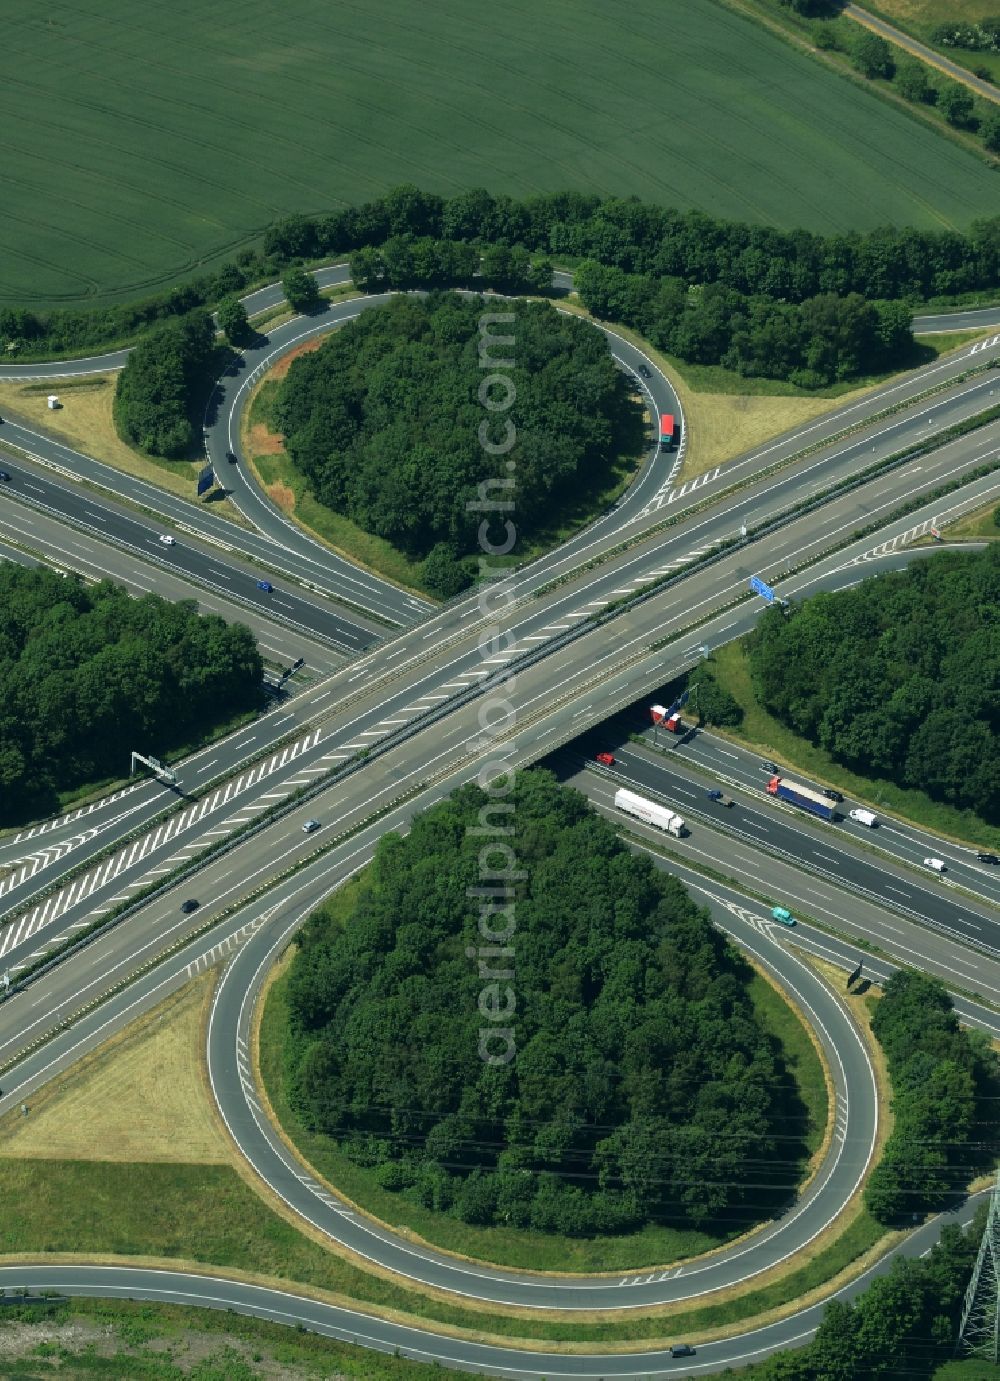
411	704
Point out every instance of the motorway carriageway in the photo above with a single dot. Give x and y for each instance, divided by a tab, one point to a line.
214	563
746	852
46	541
893	852
263	925
723	519
654	558
380	713
287	547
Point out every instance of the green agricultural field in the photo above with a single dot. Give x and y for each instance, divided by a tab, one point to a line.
144	140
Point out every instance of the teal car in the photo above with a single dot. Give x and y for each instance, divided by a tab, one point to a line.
782	914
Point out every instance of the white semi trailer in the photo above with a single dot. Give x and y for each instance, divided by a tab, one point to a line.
649	812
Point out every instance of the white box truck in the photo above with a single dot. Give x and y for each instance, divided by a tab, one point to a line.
864	817
649	812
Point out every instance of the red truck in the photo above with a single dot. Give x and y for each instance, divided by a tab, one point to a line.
671	722
668	431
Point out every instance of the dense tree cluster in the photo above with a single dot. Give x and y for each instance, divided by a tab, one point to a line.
898	677
624	233
233	320
641	237
155	390
810	343
301	289
89	674
944	1087
713	703
872	56
903	1326
642	1087
956	105
385	418
424	262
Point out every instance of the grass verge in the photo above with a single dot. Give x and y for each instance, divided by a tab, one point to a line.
767	735
139	1098
205	1215
145	1342
728	415
799	1056
980	525
85	422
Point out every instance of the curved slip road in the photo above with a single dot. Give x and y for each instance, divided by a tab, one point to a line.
731	909
421	1345
229	1066
233	391
279	540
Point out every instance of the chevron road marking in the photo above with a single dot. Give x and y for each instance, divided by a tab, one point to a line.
20	929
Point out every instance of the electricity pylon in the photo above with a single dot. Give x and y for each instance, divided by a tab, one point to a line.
979	1335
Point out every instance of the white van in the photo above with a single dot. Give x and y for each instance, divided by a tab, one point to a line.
864	817
937	864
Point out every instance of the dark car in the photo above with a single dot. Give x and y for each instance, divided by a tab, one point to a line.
190	905
769	766
832	795
987	858
265	585
645	371
682	1350
231	456
4	476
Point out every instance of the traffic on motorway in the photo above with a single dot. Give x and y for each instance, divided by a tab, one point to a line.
418	681
410	705
885	861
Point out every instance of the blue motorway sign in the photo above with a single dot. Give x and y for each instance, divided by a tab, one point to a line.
759	588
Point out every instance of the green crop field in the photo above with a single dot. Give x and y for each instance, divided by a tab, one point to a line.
142	140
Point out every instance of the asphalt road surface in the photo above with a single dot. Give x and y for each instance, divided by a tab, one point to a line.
209	558
852	920
731	909
544	640
71	525
429	753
